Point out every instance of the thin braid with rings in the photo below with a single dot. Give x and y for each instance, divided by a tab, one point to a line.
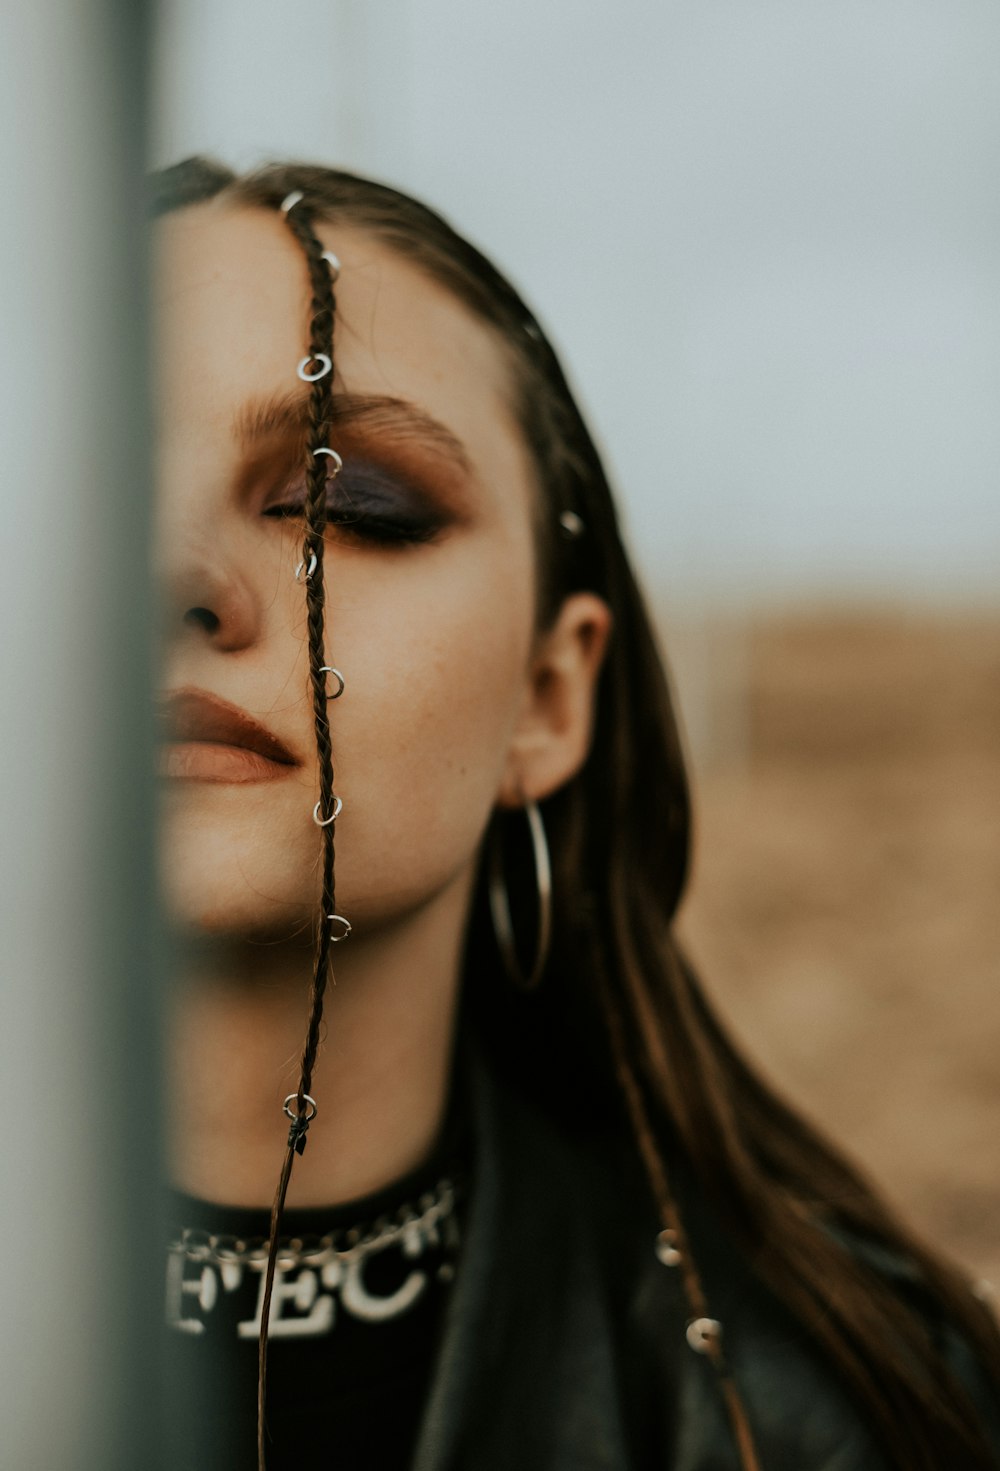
321	462
704	1333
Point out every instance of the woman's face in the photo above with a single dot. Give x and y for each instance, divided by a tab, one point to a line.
430	588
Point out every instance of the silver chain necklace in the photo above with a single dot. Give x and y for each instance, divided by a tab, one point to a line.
410	1222
314	1273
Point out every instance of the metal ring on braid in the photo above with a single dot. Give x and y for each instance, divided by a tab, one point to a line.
322	310
672	1247
704	1333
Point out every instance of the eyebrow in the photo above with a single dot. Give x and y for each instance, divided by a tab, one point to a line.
287	414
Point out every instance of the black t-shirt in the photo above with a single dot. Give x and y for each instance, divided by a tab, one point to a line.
356	1317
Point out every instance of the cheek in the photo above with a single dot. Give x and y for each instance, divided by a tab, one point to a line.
434	654
420	740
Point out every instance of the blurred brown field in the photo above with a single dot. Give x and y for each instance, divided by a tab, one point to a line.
845	902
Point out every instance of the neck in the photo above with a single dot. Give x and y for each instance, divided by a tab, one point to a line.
238	1018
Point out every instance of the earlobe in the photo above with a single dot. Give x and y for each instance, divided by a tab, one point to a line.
552	737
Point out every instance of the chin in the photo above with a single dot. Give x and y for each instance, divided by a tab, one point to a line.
202	911
211	886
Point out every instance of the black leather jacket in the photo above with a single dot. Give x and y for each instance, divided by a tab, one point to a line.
565	1347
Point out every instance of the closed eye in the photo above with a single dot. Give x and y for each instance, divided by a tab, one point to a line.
366	502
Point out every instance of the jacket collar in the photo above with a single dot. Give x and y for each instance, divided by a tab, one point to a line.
528	1324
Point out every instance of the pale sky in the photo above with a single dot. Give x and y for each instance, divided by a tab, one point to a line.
766	240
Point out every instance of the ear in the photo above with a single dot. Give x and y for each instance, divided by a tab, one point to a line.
552	735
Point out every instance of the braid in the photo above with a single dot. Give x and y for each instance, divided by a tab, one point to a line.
317	474
673	1246
321	461
704	1333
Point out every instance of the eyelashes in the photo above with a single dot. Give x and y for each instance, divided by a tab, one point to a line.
367	503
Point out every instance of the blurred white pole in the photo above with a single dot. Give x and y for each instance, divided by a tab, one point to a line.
79	1144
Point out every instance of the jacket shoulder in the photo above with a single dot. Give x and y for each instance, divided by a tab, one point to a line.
803	1415
565	1346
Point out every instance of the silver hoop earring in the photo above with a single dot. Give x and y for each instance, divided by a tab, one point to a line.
503	925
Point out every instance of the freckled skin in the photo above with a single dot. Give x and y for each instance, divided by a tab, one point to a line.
433	640
454	702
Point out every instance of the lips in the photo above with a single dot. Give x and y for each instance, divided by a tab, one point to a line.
204	730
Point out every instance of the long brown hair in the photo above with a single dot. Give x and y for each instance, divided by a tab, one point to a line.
620	1008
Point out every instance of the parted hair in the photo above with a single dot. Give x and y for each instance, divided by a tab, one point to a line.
620	1025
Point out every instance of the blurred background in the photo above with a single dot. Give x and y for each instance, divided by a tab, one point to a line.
766	240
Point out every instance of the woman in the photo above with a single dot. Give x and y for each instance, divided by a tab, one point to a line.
548	1217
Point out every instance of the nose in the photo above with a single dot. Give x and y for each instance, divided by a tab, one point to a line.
204	592
204	573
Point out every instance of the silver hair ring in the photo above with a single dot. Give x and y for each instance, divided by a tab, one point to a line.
309	570
572	525
666	1248
322	358
332	262
291	200
702	1333
339	919
326	821
293	1098
338	463
329	669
